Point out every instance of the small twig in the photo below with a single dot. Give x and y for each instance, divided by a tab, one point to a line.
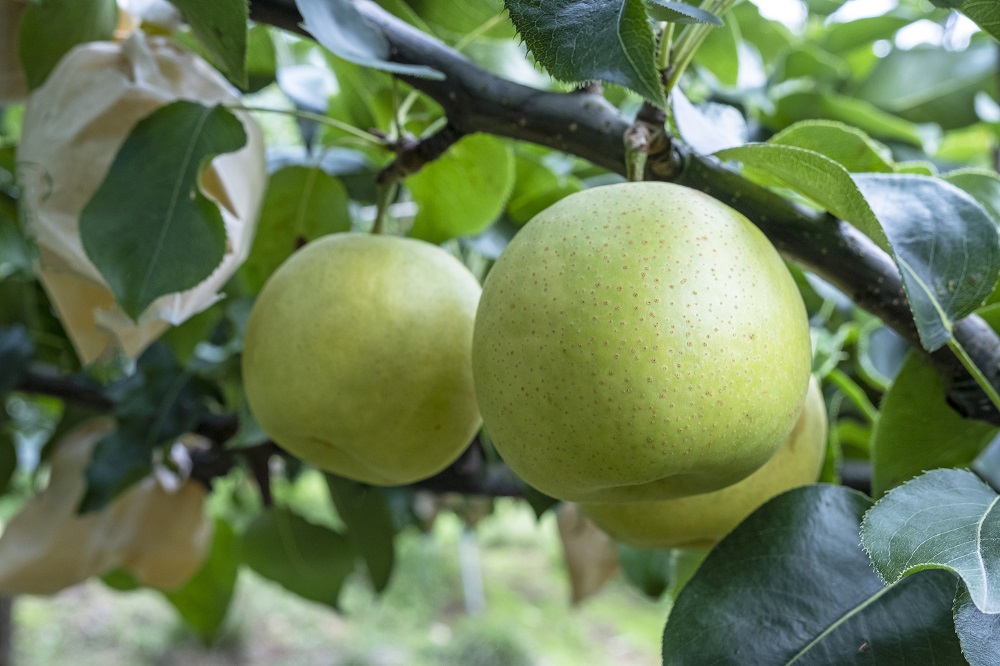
412	155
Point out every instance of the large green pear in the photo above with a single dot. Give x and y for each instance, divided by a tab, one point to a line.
357	357
702	520
639	341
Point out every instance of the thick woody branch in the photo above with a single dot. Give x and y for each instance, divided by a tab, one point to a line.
412	155
586	125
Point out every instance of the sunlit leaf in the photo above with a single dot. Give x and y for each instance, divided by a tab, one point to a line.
464	191
302	203
681	12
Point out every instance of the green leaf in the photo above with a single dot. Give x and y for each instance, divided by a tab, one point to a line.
464	191
983	185
849	35
848	146
306	559
986	14
302	203
50	28
809	62
931	84
537	187
204	600
947	519
948	270
810	105
16	349
148	228
945	244
769	37
720	53
369	525
585	40
458	18
917	430
648	569
792	585
681	12
978	632
340	27
221	27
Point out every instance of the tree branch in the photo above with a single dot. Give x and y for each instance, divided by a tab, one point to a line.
586	125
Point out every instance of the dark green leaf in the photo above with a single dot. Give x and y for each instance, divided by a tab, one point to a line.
945	245
204	600
987	464
792	585
983	185
978	632
464	191
931	84
148	228
585	40
681	12
306	559
917	430
50	28
157	403
983	12
369	525
340	27
221	26
16	349
646	568
848	146
302	203
947	519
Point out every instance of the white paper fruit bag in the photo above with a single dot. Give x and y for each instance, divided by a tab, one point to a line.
74	125
160	535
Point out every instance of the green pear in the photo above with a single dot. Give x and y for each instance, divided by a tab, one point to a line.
357	357
639	341
702	520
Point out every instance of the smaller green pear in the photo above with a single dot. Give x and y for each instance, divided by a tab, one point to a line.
358	357
702	520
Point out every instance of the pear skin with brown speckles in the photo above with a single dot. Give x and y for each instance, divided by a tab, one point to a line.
639	341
